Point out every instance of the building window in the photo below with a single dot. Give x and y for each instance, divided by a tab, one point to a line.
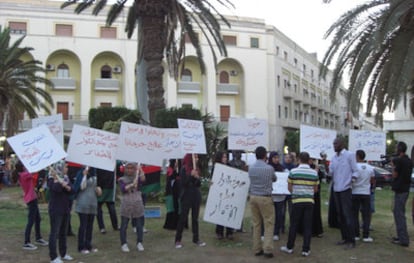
278	80
304	69
108	32
285	55
105	104
187	75
285	83
295	86
311	72
18	27
224	113
64	30
279	110
286	112
296	114
63	71
230	40
224	77
277	51
187	105
63	108
254	42
295	61
106	72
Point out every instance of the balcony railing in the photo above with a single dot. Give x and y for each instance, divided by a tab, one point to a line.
189	87
224	88
107	84
64	83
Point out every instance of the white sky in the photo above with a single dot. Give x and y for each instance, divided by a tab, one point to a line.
304	21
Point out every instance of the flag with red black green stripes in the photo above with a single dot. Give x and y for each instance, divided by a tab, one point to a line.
152	182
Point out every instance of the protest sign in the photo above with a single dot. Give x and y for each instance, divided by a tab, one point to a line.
373	143
227	196
37	148
54	123
247	134
192	136
92	147
280	187
316	141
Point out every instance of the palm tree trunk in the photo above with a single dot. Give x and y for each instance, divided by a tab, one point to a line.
152	15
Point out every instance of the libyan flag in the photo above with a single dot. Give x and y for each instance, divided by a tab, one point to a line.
152	182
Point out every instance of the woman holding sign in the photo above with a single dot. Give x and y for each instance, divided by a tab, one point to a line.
190	199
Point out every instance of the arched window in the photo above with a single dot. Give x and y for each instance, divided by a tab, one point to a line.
187	75
224	77
63	71
106	72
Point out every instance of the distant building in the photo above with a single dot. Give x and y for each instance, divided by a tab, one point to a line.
402	126
266	75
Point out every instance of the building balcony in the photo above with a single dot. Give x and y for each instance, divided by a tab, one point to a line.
290	123
225	88
26	124
107	84
64	83
189	87
306	100
288	93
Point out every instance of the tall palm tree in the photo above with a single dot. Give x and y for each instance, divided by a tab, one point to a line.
19	84
163	25
374	42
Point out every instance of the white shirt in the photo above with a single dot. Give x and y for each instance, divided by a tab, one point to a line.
362	185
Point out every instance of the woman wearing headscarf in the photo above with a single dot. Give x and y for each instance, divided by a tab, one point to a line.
190	199
172	194
60	190
132	205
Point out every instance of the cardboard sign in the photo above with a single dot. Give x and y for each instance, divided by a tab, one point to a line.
92	147
227	196
37	148
54	123
192	136
247	134
373	143
316	140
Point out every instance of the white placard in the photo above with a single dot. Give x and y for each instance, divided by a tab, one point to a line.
37	148
92	147
148	145
172	144
247	134
227	196
54	123
192	136
316	140
373	143
280	187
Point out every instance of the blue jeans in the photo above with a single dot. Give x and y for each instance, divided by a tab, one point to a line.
139	225
58	229
85	231
400	199
301	213
33	217
343	202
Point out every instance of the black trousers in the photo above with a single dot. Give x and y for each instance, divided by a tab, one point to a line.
301	213
190	199
343	202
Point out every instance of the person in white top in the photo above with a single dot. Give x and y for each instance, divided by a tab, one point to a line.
361	196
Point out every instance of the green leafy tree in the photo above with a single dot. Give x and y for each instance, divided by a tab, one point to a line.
163	25
374	42
21	84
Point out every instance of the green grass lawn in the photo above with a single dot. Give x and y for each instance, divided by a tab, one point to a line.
159	243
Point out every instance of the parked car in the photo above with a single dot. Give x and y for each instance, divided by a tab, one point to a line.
383	177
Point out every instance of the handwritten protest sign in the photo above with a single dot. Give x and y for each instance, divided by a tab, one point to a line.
280	187
192	136
373	143
37	148
148	145
247	134
227	196
92	147
54	123
316	140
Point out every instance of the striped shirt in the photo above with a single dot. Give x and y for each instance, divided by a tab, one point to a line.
261	177
303	180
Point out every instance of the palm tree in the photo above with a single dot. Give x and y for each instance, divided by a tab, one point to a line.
163	25
19	84
374	42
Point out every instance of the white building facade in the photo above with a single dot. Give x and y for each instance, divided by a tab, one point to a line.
266	75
